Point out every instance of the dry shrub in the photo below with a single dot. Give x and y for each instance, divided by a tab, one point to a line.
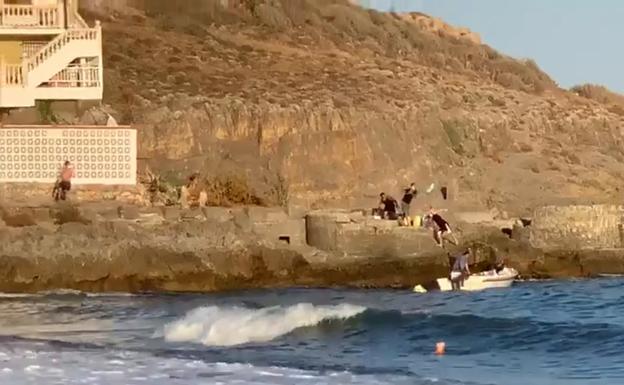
68	213
509	80
571	157
598	93
352	21
201	11
272	16
228	190
454	64
438	60
454	132
302	12
162	190
278	191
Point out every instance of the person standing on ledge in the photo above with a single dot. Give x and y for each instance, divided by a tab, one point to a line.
67	173
408	195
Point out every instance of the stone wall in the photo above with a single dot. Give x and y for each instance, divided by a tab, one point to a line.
275	225
100	154
353	233
577	227
40	194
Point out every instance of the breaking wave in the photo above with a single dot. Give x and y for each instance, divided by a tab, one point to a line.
218	326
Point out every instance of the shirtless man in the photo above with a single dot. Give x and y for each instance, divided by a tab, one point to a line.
67	173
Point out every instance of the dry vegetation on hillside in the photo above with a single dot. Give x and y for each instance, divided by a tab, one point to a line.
343	101
261	51
601	94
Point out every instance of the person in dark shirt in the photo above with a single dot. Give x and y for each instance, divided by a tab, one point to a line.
388	205
441	228
408	196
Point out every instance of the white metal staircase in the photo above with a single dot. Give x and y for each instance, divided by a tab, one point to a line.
69	67
60	52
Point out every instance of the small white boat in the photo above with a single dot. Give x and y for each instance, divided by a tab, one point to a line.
475	282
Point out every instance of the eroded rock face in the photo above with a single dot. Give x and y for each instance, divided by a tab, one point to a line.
577	227
343	157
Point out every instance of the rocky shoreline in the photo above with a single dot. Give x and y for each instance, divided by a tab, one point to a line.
108	247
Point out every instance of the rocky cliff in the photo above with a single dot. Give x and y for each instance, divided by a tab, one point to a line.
334	103
109	246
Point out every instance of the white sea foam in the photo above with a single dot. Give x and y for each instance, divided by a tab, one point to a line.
66	292
80	369
52	366
219	326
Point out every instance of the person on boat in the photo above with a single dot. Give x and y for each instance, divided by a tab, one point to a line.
388	206
441	228
460	270
408	195
499	266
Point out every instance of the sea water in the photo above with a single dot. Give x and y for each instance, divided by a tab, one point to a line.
553	332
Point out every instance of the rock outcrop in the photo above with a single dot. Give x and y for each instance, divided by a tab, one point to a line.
117	248
106	247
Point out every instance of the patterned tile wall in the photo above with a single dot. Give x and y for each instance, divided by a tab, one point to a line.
100	155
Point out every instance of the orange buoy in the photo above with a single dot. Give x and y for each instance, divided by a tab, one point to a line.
440	348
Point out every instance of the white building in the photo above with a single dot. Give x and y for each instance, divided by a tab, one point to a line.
48	52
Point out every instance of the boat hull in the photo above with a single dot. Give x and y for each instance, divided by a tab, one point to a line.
475	282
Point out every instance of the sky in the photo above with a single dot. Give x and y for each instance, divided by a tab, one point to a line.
574	41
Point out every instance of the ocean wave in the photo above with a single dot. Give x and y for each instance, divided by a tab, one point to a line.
230	326
65	293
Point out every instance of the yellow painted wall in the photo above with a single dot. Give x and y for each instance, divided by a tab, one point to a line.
11	51
44	2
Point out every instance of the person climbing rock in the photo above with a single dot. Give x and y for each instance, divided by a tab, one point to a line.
441	228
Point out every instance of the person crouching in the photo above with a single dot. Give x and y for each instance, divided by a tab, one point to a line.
388	206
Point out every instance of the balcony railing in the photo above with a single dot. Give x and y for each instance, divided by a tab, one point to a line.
11	75
31	48
78	76
30	16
